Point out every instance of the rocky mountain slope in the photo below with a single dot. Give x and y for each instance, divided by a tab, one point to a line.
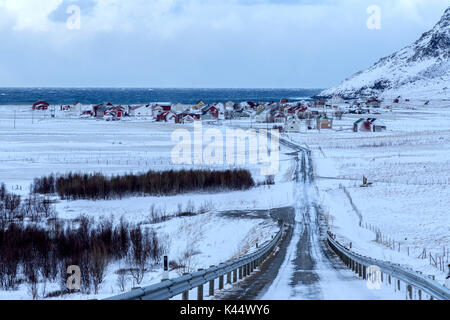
419	70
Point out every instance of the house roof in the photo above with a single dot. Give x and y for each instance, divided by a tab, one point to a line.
40	103
373	121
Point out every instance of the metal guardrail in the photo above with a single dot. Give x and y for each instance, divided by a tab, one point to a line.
234	270
360	265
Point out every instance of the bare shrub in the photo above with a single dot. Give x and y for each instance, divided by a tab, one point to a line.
122	279
98	265
186	262
97	186
44	251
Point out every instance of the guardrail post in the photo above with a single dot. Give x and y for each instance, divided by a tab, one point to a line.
240	273
398	285
200	290
364	273
220	282
389	279
200	293
211	288
229	277
185	295
410	292
420	294
211	285
235	276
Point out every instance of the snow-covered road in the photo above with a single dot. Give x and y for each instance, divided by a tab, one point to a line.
311	271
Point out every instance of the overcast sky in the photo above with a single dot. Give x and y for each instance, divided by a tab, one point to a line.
202	43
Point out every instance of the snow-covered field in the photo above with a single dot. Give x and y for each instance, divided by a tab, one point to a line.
409	167
408	201
33	146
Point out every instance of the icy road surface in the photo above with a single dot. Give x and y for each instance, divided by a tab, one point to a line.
309	270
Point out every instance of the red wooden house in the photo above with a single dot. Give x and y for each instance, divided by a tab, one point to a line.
187	117
166	116
117	112
41	105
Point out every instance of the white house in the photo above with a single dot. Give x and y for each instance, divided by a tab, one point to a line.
179	107
293	125
140	111
262	116
229	106
336	100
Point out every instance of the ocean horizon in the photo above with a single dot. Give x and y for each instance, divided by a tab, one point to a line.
59	96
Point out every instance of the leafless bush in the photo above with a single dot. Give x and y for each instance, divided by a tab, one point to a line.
186	262
206	207
32	276
269	181
44	253
122	279
98	265
96	186
190	207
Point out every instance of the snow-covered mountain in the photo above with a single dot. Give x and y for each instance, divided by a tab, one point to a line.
419	70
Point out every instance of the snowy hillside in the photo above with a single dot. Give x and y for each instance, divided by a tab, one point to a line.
419	70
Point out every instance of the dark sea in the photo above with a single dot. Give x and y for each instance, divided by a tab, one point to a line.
58	96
